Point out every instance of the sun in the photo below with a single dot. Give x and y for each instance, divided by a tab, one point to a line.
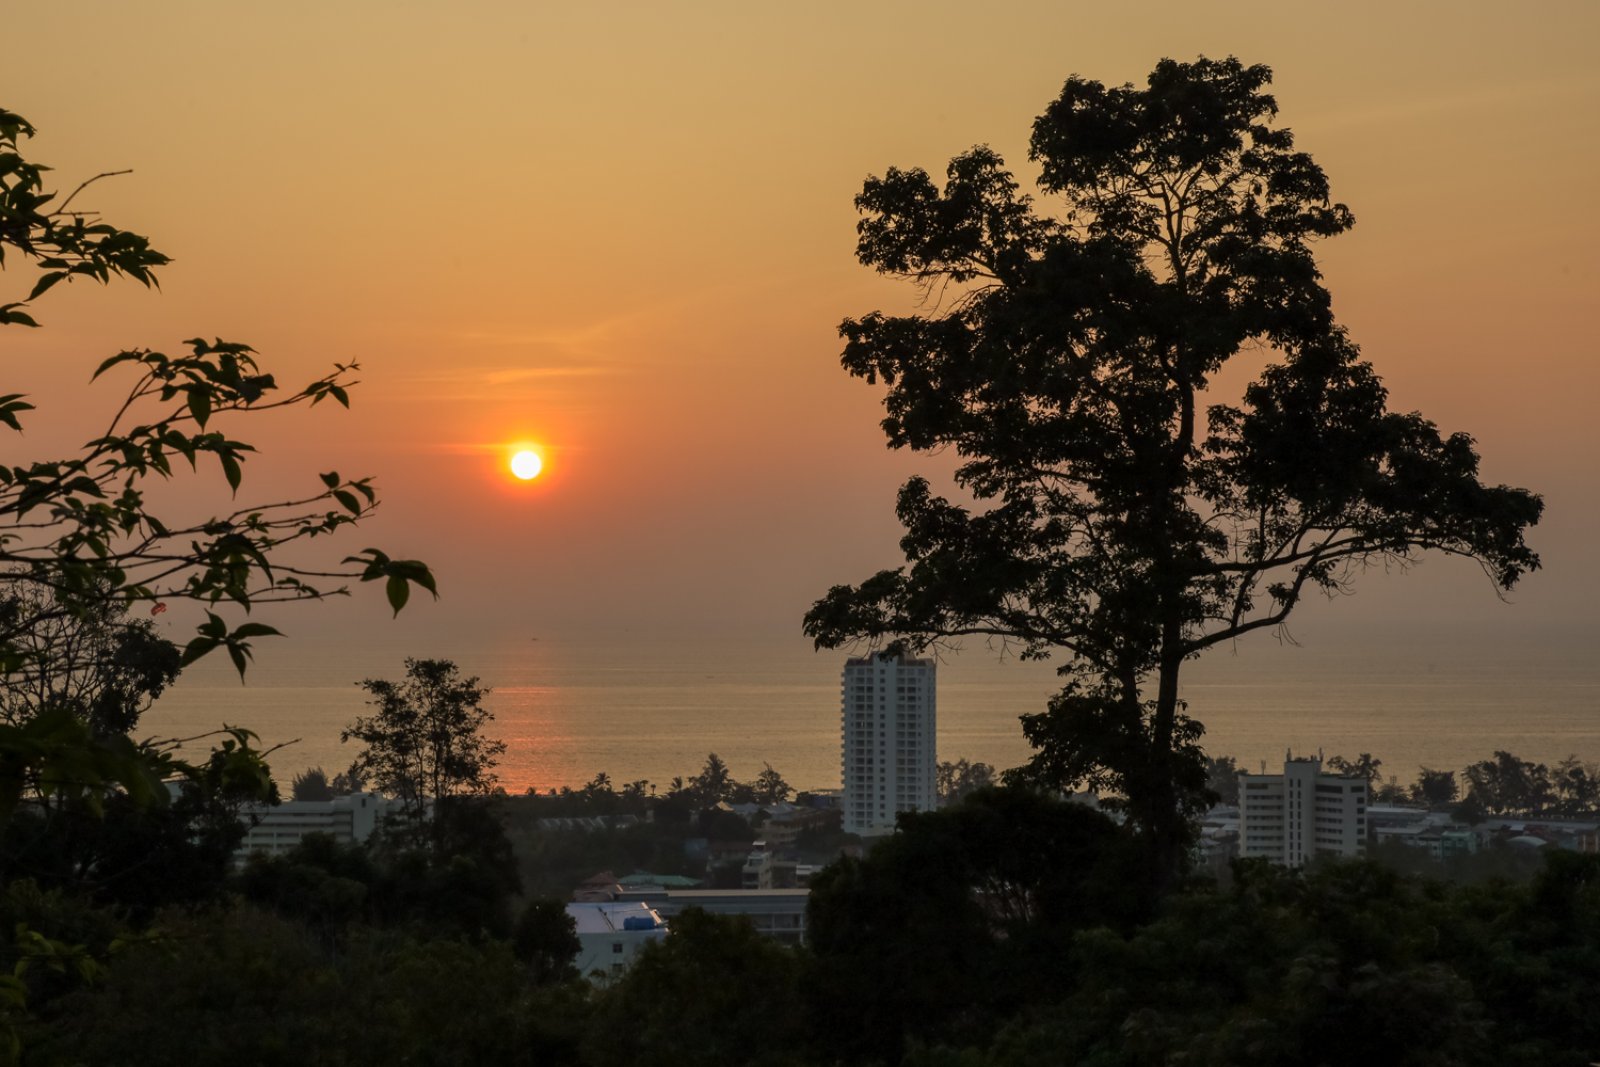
526	465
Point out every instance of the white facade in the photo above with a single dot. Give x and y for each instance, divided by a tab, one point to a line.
1293	817
611	934
888	736
277	829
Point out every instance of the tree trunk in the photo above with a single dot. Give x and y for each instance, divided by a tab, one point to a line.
1165	826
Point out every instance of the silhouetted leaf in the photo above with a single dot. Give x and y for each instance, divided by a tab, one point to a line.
399	591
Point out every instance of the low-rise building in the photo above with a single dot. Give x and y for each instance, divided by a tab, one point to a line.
776	913
276	829
822	799
766	869
612	933
586	824
645	879
597	888
783	830
1458	841
1218	842
759	868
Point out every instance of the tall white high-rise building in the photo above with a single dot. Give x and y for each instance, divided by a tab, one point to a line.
1292	817
888	740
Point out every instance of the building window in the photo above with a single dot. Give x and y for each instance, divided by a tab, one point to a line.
616	947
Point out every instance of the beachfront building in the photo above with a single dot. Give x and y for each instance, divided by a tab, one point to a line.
887	737
1292	817
611	933
277	828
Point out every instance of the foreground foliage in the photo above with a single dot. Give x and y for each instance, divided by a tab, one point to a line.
85	809
1000	932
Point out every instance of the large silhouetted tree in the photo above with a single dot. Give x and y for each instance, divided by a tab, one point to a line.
1120	512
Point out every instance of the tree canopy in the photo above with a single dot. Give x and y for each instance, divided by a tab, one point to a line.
425	742
1119	511
91	659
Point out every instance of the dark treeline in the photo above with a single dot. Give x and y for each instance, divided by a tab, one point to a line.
563	836
714	784
638	827
1007	929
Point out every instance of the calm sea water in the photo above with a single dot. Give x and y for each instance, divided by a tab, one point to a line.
653	706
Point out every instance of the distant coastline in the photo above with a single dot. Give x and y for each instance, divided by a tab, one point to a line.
569	708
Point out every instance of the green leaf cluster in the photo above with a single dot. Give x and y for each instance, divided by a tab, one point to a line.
64	244
81	530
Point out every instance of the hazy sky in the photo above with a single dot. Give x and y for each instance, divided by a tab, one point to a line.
625	232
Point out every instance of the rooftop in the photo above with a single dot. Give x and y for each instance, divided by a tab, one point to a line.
608	917
665	881
904	661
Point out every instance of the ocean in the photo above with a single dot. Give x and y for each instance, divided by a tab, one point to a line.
652	706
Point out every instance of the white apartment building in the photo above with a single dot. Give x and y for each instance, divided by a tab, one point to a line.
888	735
1293	817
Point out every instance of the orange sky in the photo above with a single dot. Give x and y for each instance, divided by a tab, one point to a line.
625	232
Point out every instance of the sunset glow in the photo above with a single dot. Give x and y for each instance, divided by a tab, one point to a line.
651	304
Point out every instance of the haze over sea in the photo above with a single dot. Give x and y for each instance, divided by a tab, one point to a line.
650	705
